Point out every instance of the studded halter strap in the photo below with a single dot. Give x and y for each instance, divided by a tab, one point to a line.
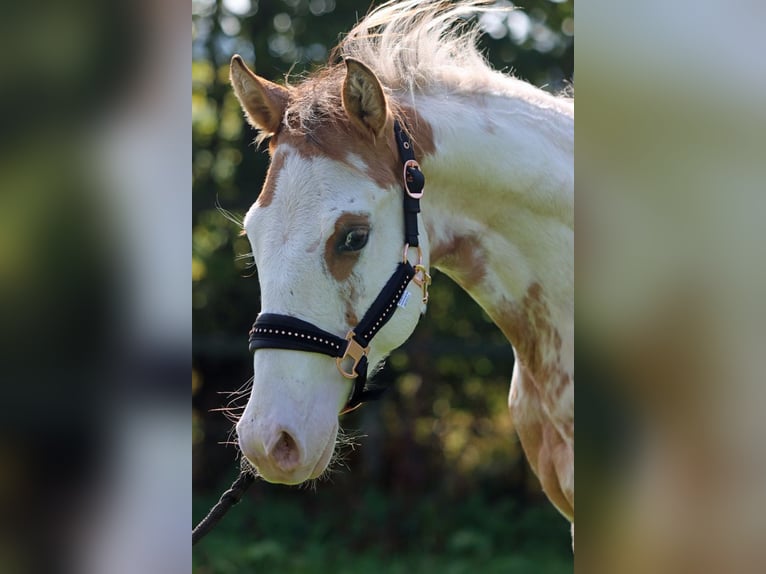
273	331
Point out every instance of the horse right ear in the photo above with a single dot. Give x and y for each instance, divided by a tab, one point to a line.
264	102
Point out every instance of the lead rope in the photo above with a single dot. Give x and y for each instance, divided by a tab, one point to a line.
227	500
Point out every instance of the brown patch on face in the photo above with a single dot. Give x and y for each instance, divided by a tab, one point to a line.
341	264
464	257
338	143
269	186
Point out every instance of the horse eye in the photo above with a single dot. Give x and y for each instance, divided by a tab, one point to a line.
354	240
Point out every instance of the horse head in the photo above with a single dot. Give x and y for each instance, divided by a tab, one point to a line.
327	232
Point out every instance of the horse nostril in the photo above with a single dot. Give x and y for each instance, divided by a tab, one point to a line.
285	452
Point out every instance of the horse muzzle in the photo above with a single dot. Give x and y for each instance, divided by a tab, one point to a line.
281	455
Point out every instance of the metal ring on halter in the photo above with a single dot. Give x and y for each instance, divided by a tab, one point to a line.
407	164
406	254
421	278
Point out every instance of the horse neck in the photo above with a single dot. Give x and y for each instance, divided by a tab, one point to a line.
499	213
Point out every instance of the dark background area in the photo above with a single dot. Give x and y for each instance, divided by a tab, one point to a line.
436	480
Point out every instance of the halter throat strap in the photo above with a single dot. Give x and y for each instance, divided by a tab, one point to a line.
275	331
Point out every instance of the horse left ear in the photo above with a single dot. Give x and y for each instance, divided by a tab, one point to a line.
363	97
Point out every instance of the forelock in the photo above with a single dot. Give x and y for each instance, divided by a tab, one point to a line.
315	103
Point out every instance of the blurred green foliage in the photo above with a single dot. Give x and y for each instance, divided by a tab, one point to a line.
438	453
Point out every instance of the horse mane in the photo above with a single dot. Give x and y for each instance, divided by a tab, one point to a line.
417	46
414	47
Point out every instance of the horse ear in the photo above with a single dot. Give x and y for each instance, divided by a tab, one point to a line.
363	97
264	102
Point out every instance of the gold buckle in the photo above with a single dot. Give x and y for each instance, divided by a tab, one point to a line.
353	350
421	278
424	282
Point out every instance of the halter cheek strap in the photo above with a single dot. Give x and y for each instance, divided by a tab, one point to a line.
274	331
271	331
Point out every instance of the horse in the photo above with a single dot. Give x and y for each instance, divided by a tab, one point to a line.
344	234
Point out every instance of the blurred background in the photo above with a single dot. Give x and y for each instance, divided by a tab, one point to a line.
95	329
95	322
433	478
671	275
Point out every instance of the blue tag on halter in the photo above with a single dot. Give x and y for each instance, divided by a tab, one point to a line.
403	300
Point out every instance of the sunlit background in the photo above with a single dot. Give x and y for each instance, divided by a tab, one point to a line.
437	480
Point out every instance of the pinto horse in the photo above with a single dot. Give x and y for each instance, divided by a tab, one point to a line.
408	95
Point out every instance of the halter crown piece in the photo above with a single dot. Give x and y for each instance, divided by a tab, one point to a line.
273	331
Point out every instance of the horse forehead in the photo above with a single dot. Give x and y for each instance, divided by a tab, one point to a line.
294	182
327	167
302	199
373	159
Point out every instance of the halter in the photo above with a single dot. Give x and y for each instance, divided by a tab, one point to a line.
273	331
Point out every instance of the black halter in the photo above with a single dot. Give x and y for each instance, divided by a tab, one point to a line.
272	331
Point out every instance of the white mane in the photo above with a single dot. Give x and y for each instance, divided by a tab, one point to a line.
415	48
430	46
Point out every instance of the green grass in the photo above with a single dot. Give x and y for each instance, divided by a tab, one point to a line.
293	531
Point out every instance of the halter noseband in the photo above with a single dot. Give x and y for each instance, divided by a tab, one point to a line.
273	331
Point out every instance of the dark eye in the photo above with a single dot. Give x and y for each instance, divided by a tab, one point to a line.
354	240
